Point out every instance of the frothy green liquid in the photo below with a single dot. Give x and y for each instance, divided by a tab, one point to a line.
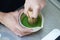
24	21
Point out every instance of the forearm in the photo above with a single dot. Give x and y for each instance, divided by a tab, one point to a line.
1	16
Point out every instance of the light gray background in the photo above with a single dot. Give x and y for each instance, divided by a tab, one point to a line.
51	21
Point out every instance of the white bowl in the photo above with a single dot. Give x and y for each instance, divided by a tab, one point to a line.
35	29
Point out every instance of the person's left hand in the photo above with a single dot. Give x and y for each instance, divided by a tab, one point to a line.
35	6
10	20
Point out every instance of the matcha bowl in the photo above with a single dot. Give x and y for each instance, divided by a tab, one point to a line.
23	21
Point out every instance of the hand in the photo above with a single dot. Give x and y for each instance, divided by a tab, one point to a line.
10	20
35	6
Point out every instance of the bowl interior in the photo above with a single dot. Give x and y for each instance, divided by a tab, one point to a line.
24	21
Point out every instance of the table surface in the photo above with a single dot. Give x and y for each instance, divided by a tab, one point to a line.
51	21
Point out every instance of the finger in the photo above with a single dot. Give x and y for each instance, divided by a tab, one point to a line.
26	34
20	11
17	32
35	12
26	8
26	30
26	11
23	32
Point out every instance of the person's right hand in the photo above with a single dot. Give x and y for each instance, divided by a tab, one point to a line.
34	6
10	20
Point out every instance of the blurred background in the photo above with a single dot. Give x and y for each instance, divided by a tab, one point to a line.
51	14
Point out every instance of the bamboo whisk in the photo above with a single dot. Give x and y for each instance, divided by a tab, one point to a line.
31	20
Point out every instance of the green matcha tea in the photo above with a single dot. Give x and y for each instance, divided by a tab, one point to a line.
24	21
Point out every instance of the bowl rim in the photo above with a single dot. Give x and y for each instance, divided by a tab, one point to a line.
34	28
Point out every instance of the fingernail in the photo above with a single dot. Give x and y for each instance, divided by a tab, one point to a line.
20	36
